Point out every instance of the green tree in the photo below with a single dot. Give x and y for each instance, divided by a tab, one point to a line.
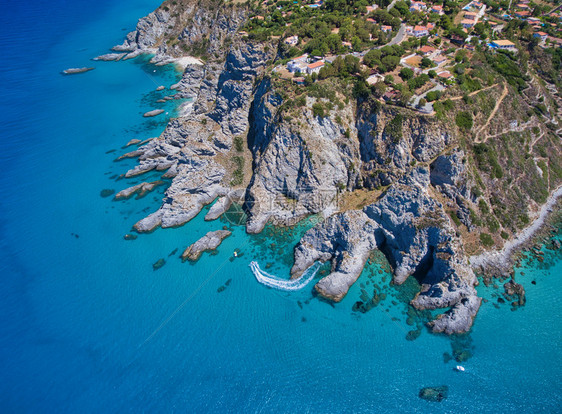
406	73
372	58
389	63
426	63
356	43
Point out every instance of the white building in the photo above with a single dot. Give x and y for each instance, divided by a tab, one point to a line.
314	67
298	64
292	40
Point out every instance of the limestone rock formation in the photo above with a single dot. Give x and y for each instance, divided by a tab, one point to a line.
412	230
210	241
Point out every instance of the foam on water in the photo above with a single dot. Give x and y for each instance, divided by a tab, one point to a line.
282	284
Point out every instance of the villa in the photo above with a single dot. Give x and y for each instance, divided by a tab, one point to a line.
541	35
503	45
437	9
298	64
420	31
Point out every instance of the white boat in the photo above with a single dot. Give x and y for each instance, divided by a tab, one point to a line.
235	254
459	368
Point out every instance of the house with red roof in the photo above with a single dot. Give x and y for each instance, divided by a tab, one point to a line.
541	35
420	31
427	50
445	75
314	67
418	6
523	14
437	9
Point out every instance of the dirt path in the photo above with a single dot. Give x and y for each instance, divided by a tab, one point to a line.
456	98
498	103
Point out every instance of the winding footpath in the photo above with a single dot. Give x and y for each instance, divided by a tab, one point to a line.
492	114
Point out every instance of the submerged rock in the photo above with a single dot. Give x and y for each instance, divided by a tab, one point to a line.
106	192
210	241
413	334
435	394
158	264
515	289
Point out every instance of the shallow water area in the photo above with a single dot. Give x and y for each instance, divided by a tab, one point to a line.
88	324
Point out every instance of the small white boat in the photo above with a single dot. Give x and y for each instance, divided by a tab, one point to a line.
459	368
235	254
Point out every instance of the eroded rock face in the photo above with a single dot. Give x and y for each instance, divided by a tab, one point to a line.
413	231
140	189
299	168
168	30
449	175
391	142
193	150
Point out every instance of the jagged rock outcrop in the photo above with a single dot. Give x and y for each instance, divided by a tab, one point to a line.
391	142
140	189
303	160
449	174
109	57
193	149
459	318
412	230
175	27
299	168
223	204
208	242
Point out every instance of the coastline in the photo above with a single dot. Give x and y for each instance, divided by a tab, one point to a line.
500	261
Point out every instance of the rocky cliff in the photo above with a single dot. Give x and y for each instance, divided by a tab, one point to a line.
286	152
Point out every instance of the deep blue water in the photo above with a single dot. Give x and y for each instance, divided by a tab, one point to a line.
86	324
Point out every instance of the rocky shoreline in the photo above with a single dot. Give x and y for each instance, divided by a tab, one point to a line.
233	144
502	261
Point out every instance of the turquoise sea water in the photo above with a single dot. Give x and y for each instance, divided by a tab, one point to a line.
87	325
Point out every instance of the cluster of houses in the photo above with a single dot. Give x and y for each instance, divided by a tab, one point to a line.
472	13
523	11
420	6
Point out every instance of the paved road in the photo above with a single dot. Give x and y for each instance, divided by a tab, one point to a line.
399	36
391	5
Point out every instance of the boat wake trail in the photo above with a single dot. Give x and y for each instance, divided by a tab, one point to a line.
283	284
